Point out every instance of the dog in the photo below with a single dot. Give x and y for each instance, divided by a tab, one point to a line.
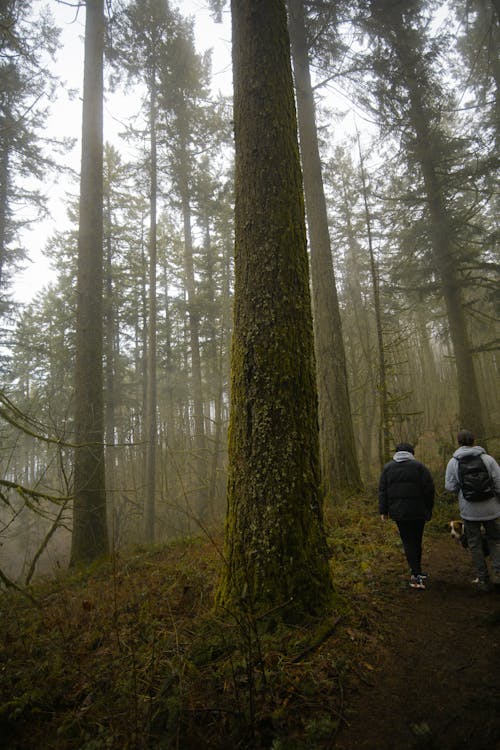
457	532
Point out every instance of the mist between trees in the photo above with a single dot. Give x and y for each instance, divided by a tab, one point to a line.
403	254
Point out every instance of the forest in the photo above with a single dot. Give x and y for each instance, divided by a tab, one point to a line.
257	296
402	222
402	217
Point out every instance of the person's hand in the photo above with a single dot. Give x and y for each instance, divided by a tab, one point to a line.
384	517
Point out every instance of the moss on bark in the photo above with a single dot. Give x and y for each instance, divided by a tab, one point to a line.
275	545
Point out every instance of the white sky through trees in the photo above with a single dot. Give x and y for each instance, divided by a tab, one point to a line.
65	120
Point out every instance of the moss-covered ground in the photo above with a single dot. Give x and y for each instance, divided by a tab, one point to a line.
129	654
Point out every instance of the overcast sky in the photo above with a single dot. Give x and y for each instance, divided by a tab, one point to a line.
66	117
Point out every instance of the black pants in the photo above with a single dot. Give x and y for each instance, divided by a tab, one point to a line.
411	533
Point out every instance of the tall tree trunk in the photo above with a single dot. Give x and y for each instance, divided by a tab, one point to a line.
90	537
109	371
275	549
142	339
214	369
169	430
4	190
384	434
428	378
151	430
194	341
363	370
339	462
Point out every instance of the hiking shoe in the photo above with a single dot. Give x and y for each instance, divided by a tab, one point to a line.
417	582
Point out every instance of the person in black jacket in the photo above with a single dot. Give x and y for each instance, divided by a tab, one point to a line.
406	494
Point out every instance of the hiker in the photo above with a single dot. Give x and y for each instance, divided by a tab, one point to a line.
475	476
406	494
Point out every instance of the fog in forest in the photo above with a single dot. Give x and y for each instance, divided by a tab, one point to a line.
398	125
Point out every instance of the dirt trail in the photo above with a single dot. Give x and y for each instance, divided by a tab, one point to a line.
436	677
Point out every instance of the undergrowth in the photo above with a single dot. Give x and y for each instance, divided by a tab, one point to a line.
130	654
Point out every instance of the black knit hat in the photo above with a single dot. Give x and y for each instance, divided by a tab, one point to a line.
405	447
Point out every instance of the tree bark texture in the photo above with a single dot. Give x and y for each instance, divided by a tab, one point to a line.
275	549
90	537
339	463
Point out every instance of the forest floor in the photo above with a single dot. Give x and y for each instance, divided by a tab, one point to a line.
436	676
129	655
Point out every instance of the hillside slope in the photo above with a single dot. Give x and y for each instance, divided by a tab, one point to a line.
129	655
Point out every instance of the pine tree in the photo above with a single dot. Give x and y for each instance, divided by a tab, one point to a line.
408	97
25	89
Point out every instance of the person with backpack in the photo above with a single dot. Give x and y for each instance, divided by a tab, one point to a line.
475	476
406	494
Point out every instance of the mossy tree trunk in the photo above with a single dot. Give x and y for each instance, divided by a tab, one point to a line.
90	536
339	462
275	549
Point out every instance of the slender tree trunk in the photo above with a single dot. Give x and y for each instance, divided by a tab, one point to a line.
142	336
339	463
151	430
275	547
429	377
169	395
385	428
196	378
4	189
214	368
90	537
109	373
363	370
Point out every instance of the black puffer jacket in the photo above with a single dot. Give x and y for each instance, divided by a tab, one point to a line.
406	489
